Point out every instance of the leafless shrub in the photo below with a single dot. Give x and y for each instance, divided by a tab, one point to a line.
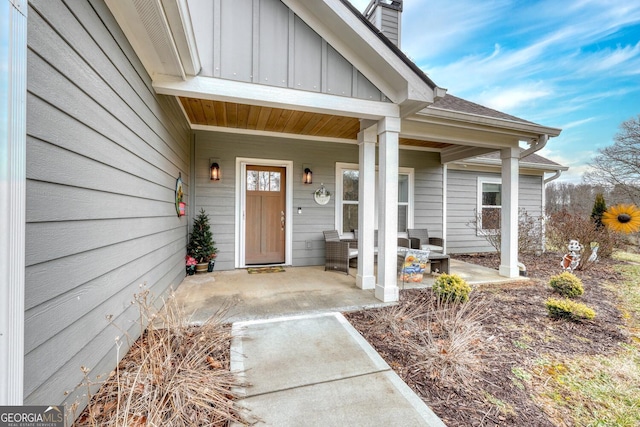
449	345
445	338
563	226
530	229
175	374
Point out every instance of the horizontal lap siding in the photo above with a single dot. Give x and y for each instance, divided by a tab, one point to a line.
462	194
219	198
103	155
428	189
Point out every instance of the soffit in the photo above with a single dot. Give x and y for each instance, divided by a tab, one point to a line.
231	115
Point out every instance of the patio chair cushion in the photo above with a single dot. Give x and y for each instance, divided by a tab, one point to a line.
435	244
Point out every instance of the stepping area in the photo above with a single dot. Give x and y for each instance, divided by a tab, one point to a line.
317	370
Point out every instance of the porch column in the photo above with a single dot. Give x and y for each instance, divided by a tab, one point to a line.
387	287
509	217
365	279
13	94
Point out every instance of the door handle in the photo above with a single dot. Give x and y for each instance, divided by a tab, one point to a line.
282	219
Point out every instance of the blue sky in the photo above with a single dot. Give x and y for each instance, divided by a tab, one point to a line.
573	64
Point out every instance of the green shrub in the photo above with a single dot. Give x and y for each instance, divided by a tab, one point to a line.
567	284
568	309
451	287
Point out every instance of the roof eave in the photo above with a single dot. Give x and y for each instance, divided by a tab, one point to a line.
514	125
529	165
348	31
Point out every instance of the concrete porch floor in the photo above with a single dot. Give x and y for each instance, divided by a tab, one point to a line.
298	290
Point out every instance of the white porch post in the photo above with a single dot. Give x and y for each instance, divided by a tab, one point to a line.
13	54
509	218
387	287
365	279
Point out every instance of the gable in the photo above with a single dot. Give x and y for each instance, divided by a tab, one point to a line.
265	42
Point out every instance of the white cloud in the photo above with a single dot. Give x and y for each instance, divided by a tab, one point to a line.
577	123
510	99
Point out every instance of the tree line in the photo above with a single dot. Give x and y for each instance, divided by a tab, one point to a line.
615	173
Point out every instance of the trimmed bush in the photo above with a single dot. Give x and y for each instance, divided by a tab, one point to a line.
452	288
567	284
568	309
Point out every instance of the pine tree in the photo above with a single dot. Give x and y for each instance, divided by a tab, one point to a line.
201	244
599	208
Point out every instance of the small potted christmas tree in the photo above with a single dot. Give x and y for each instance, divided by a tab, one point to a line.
201	244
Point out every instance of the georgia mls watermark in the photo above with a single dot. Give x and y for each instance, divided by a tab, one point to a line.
31	416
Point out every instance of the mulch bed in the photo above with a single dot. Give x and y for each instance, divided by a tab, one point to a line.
517	332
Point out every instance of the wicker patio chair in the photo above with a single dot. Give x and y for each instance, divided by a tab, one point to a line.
435	244
338	252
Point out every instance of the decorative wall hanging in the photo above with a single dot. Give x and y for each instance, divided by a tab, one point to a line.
180	206
322	195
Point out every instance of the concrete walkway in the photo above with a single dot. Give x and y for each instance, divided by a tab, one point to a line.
306	365
317	370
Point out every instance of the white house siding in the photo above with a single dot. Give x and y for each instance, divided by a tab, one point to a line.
103	155
219	198
462	191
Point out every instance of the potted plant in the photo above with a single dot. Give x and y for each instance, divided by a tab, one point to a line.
191	264
201	245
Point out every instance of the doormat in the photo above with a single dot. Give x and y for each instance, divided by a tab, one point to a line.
256	270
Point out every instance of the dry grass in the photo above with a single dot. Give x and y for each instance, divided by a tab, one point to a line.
596	390
175	374
443	338
447	343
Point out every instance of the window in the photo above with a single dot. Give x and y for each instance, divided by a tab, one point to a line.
489	203
263	181
347	181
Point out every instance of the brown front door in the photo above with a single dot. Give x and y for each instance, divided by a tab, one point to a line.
265	215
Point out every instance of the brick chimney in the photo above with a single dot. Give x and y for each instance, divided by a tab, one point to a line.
385	15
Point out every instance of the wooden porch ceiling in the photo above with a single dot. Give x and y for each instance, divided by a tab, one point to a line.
253	117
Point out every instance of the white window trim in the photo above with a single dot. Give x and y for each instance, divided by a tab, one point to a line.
340	167
484	180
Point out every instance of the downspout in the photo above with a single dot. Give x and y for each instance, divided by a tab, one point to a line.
553	177
536	146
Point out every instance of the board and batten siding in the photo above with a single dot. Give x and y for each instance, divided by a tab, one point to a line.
103	155
462	197
264	42
218	198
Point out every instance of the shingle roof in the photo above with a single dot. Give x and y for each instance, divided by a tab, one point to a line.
390	45
453	103
448	102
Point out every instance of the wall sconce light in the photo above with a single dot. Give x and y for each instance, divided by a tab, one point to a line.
307	175
214	170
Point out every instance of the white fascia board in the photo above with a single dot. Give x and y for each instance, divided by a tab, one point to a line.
132	25
497	163
509	125
459	134
179	19
344	31
271	96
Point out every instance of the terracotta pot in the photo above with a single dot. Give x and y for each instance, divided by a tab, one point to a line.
201	267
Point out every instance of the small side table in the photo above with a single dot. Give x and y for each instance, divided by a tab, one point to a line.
439	262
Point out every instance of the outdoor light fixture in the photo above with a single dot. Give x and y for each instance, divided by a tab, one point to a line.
307	176
215	171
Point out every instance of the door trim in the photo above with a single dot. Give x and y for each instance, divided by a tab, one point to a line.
240	229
